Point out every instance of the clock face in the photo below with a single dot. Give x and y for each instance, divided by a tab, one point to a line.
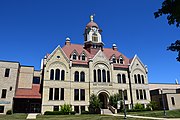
94	29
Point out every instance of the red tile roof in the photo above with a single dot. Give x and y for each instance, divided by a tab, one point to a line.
80	62
109	52
29	93
68	49
120	66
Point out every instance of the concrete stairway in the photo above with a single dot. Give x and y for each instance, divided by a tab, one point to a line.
106	111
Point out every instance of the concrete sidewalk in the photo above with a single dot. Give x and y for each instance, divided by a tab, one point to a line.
32	116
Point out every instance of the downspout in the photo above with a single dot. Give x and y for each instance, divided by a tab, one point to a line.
70	67
130	87
90	70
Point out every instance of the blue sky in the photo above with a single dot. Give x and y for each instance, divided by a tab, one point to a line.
31	28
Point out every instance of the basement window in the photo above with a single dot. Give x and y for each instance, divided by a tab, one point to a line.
173	101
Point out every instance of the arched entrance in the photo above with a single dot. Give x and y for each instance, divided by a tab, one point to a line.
103	99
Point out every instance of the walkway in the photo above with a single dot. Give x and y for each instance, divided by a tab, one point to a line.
32	116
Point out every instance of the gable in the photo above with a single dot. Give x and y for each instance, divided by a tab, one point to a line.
136	64
57	56
100	58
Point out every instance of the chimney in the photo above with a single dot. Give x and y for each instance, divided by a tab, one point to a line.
68	42
114	47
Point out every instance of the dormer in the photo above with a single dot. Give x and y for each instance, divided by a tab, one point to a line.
113	59
83	56
74	55
121	60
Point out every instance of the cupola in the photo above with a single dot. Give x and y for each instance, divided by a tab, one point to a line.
92	36
114	47
68	42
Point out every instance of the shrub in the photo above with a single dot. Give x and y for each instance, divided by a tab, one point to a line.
148	109
73	112
95	104
138	106
85	112
9	112
66	109
113	100
53	113
152	105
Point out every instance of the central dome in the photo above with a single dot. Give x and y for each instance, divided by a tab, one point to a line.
92	24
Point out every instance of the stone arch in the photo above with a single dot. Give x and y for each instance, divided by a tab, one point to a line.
104	95
138	69
101	63
57	64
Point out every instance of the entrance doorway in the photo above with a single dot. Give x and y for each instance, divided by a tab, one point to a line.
23	105
35	108
104	100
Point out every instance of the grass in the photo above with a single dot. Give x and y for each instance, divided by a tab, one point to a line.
64	117
13	117
81	117
169	113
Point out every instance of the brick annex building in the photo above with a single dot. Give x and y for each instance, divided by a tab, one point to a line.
70	74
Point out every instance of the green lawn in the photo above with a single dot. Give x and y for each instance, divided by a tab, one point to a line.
63	117
13	117
170	113
81	117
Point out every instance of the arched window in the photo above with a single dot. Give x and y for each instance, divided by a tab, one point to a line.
142	77
74	56
76	76
121	60
52	74
139	79
62	75
135	78
108	76
94	75
117	60
57	77
104	75
119	78
83	57
94	37
124	78
99	75
82	78
114	60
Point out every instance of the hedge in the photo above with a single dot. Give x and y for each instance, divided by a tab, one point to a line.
59	113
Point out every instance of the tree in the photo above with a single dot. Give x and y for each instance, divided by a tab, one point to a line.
175	47
66	109
113	100
171	8
152	105
138	106
94	104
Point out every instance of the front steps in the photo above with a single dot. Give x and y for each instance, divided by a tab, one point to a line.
106	111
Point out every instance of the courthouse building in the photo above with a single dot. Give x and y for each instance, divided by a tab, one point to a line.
71	74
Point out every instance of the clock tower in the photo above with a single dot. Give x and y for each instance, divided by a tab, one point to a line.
92	37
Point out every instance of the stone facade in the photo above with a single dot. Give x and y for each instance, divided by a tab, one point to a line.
8	81
105	72
169	93
71	74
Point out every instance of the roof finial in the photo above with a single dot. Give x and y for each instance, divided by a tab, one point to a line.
92	17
